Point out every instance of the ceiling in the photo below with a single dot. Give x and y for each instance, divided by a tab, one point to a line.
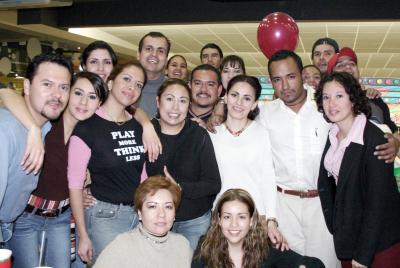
377	43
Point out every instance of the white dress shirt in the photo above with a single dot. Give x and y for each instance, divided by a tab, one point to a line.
246	162
297	142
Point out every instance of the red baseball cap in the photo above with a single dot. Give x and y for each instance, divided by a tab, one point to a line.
346	51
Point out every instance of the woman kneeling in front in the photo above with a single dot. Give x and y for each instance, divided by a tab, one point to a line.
237	239
150	244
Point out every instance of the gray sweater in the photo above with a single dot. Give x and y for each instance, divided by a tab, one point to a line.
138	248
147	100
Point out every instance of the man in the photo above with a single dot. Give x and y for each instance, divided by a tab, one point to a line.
206	86
46	91
346	61
211	54
322	51
298	134
152	55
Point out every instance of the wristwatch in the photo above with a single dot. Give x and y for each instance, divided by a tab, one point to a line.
274	220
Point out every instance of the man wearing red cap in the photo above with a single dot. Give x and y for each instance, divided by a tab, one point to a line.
346	61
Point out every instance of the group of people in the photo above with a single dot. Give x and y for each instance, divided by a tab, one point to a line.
286	184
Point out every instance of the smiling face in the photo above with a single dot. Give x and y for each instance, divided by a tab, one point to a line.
240	100
48	92
205	88
337	105
158	212
177	68
311	76
83	100
100	63
153	56
321	56
229	71
126	88
346	64
173	106
235	222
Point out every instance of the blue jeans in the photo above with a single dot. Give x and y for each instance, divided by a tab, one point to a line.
104	221
193	229
25	242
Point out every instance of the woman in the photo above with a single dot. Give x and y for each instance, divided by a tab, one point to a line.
236	239
231	66
177	67
48	206
150	244
114	156
99	58
358	192
189	156
243	150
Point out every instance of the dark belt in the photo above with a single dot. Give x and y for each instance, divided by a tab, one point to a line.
48	213
301	194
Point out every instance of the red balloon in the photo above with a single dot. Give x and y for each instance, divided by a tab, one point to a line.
277	31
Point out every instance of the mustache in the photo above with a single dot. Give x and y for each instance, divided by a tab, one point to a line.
54	101
203	93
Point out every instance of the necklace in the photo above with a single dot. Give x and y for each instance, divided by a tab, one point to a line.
149	237
115	121
236	133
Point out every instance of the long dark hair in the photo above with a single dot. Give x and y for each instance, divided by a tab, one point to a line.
214	247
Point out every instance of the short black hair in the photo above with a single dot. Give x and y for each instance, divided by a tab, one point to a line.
97	45
99	86
282	55
325	41
207	67
211	45
50	58
352	87
155	35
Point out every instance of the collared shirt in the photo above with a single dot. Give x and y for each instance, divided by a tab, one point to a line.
15	185
334	155
297	142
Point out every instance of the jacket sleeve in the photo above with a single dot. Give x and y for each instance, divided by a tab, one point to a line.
209	182
386	114
290	259
378	183
5	162
326	191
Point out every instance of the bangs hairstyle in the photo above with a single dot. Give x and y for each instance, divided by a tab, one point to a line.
99	86
97	45
120	67
233	61
214	247
151	185
173	81
254	83
353	89
169	82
